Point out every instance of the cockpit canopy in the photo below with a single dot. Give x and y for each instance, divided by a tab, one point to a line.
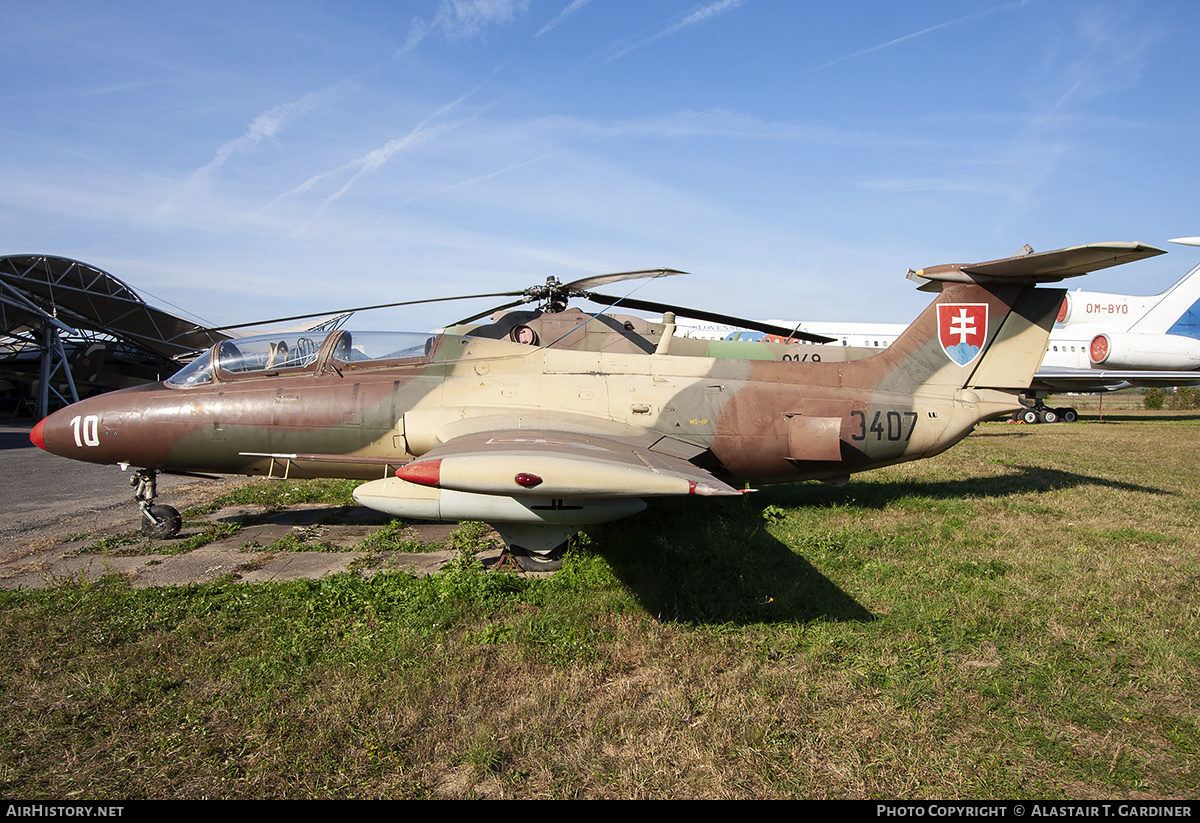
272	354
275	353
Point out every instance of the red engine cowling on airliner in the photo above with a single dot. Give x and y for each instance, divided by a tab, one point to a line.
1145	351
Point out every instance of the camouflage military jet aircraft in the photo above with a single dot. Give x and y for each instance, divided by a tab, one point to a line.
543	422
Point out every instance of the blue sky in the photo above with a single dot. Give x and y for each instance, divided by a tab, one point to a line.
249	160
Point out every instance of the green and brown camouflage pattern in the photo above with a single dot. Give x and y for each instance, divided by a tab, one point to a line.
736	413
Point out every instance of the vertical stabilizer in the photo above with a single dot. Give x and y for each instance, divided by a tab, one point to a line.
1177	312
989	326
970	337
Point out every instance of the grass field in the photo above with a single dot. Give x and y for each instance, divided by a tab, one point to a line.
1015	618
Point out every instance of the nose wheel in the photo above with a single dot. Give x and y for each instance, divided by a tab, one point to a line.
161	522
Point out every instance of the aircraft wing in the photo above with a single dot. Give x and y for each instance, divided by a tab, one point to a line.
556	464
1060	379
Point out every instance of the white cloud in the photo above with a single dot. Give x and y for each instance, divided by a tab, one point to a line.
416	33
1107	54
463	19
466	18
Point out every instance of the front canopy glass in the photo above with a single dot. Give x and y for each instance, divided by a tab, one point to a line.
268	355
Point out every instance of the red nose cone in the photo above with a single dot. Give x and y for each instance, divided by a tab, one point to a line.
424	472
35	436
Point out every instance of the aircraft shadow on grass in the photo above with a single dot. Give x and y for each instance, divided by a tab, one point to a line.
719	566
1021	479
723	566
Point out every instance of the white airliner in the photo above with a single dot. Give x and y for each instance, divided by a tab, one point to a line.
1100	341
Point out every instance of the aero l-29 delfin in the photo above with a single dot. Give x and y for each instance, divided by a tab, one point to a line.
543	422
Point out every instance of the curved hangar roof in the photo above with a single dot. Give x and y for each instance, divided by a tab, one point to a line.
85	298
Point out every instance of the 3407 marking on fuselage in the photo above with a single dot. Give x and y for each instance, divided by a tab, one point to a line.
890	425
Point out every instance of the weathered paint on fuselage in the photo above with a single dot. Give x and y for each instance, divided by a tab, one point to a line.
745	419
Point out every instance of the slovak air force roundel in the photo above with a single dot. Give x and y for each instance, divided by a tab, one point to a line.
962	330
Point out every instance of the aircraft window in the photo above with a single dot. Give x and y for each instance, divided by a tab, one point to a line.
526	335
362	347
196	373
268	353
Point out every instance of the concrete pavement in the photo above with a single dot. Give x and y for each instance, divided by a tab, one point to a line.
60	518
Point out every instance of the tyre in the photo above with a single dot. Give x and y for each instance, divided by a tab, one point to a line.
168	525
550	561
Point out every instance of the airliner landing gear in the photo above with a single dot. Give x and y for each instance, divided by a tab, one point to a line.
157	521
1039	412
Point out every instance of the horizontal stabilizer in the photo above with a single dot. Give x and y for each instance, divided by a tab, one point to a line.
1030	268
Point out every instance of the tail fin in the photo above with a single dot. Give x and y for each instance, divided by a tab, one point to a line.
1177	310
989	326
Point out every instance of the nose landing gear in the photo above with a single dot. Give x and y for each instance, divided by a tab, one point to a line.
157	521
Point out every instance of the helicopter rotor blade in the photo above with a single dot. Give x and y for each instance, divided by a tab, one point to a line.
555	294
584	284
486	312
714	317
366	308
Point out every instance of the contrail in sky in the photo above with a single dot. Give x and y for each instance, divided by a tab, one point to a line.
575	6
699	15
263	127
376	158
946	25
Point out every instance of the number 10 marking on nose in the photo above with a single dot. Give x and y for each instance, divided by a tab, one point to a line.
87	430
